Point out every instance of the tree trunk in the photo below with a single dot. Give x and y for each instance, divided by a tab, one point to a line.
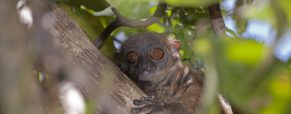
102	77
19	92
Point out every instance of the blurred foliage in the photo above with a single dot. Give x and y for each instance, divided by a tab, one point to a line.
138	8
189	3
250	77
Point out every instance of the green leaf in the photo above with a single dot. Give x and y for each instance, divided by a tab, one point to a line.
133	8
156	28
189	2
286	6
202	47
279	89
244	51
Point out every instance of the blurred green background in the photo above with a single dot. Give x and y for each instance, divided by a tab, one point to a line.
251	72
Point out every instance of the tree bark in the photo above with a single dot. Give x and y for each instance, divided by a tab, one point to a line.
217	21
102	77
19	92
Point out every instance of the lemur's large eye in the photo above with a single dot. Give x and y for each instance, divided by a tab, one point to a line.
157	53
132	57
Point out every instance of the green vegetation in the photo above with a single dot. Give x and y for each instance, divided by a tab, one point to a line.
249	75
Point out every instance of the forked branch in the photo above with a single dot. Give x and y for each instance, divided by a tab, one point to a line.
123	21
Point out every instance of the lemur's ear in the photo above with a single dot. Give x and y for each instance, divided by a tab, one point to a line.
175	46
174	43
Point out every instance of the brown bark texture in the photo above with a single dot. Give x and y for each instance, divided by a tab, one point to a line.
101	81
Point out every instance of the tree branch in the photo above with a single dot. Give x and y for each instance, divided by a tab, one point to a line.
123	21
105	84
217	21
